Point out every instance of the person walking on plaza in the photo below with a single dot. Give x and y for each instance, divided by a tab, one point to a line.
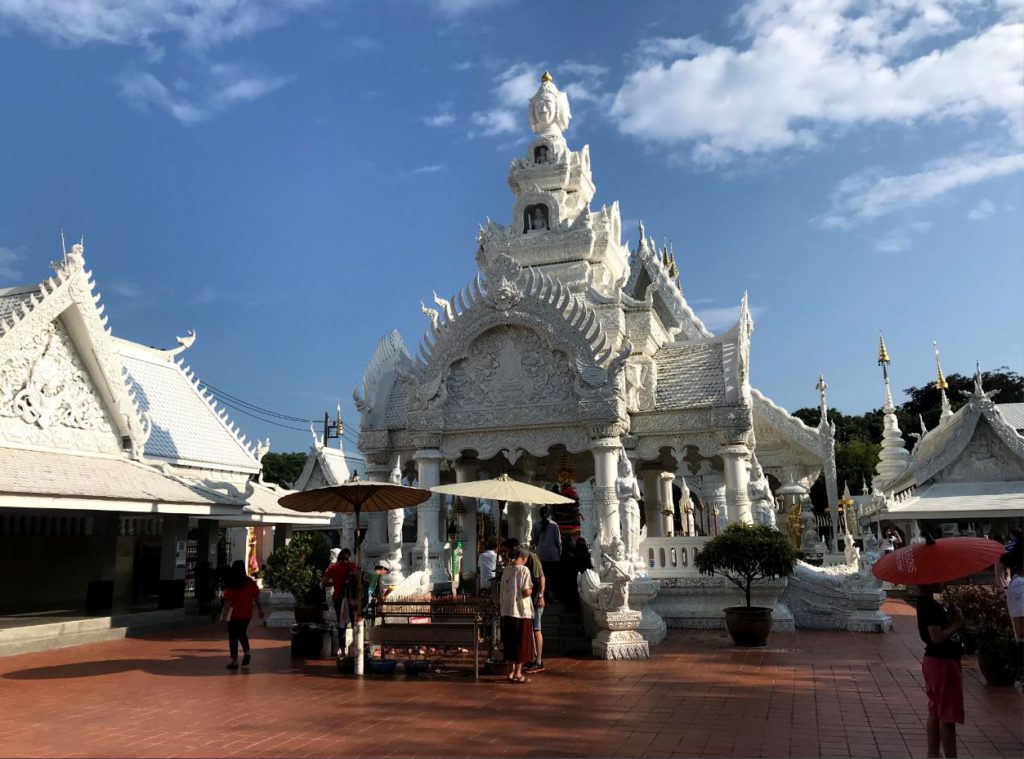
943	679
336	576
546	540
514	601
240	595
536	569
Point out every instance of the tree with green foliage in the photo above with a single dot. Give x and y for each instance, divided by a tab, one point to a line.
283	468
298	567
743	553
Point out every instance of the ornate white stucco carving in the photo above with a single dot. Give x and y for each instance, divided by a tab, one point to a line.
47	397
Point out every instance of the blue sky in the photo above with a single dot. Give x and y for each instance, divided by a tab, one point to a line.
291	178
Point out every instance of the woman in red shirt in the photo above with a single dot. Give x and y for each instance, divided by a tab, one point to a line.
239	596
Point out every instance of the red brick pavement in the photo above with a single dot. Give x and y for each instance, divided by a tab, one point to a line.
809	694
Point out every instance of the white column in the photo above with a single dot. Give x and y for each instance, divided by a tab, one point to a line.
376	541
737	476
465	471
606	451
665	483
653	494
428	468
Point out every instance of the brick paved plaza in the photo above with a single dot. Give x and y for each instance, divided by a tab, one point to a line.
809	694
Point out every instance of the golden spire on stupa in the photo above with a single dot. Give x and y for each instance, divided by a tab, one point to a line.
940	381
546	77
883	354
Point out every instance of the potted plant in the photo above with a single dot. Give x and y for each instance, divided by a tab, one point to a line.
743	553
987	624
297	568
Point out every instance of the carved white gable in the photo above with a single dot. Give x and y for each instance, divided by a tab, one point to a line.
47	397
985	459
56	327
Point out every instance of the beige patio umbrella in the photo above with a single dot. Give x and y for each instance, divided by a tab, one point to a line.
354	497
502	488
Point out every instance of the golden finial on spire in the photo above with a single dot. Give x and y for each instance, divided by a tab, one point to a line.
546	77
883	354
673	270
940	381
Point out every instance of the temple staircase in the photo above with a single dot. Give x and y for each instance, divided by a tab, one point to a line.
563	630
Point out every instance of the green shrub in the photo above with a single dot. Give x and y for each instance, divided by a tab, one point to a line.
298	567
743	553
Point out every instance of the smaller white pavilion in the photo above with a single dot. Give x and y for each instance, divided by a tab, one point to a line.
965	476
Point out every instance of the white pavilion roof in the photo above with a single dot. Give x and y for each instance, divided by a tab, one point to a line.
962	500
68	475
1013	413
186	426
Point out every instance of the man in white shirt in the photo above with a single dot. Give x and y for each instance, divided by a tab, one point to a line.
487	564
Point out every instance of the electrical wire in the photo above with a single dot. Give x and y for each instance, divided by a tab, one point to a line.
258	412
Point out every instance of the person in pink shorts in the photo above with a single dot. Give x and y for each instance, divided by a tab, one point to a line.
943	681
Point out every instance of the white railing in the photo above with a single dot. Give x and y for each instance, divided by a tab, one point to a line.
672	557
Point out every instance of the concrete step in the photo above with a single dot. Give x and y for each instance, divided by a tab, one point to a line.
75	632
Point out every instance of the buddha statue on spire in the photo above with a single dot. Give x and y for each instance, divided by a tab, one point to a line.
549	109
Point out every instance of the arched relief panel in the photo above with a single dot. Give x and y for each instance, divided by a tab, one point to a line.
528	202
511	376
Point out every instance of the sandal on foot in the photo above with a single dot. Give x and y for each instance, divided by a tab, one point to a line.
245	660
233	665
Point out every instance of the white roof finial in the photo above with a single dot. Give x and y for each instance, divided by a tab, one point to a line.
549	109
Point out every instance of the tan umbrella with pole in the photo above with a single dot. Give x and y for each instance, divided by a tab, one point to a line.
355	497
503	488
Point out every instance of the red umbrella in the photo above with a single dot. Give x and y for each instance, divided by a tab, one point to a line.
936	561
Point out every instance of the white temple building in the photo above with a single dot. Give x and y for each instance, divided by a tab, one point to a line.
118	471
570	352
965	476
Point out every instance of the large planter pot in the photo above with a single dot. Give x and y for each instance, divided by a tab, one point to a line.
996	660
311	614
748	625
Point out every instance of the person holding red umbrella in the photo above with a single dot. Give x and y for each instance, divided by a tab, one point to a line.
943	679
928	565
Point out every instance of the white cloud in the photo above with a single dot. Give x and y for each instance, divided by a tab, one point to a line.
982	211
494	122
870	194
444	117
432	168
126	289
8	258
517	84
365	44
804	68
138	22
722	318
226	86
460	7
902	238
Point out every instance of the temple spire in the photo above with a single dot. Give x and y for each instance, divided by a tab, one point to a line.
884	361
822	402
941	385
894	457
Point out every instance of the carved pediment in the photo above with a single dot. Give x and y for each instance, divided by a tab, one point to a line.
985	459
47	397
510	377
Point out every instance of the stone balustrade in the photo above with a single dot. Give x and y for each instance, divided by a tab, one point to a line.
672	557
